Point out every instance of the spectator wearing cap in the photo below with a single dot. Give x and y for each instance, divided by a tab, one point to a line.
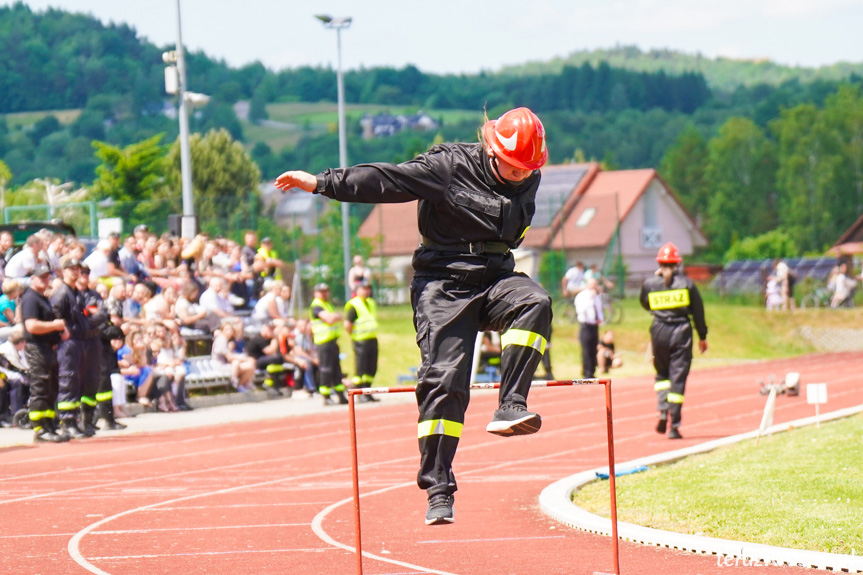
325	330
67	304
22	264
43	330
361	322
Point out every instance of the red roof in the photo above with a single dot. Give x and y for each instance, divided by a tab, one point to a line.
623	186
397	224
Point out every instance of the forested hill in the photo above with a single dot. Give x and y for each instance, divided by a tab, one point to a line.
720	73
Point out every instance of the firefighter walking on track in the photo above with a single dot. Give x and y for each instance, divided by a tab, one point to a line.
475	204
361	322
672	298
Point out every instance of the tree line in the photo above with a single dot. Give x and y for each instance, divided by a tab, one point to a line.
749	161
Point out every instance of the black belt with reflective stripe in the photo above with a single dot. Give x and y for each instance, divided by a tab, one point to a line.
469	248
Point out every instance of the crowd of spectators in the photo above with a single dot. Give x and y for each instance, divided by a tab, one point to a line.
159	294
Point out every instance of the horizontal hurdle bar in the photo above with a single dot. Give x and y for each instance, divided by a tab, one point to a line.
491	385
495	385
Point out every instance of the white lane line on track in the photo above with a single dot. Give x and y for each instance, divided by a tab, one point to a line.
317	527
448	541
270	461
210	553
240	506
266	526
73	544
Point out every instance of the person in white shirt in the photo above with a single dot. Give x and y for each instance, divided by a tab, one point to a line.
21	264
573	280
588	310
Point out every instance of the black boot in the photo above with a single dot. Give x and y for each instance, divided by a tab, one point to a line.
88	420
45	432
70	428
342	399
106	412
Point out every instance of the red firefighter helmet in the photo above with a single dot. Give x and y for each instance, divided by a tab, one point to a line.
518	138
668	254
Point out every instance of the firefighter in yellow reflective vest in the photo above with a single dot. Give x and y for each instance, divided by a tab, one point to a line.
271	263
325	331
361	321
672	298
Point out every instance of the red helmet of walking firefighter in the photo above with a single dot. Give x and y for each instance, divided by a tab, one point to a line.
668	254
518	138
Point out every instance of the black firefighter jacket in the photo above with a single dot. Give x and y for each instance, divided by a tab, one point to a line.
461	204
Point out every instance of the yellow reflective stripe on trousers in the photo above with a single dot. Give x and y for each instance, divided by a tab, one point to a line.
37	415
68	405
675	398
660	385
523	337
88	401
104	396
439	427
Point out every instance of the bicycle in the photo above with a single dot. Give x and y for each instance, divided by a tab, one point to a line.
612	310
819	297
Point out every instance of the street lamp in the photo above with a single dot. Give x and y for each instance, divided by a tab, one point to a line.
175	83
338	24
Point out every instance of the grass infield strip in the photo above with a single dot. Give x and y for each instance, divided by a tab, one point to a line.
802	489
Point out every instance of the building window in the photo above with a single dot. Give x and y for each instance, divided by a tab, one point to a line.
585	217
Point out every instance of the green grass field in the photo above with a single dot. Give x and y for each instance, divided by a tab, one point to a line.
801	489
19	119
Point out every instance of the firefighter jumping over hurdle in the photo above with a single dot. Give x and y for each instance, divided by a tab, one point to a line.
475	204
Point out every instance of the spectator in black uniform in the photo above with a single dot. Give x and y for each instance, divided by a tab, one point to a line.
67	305
43	330
264	348
671	298
476	202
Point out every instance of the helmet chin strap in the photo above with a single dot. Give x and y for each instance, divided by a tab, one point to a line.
504	181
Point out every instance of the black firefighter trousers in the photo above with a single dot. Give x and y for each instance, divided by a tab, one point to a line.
672	358
448	314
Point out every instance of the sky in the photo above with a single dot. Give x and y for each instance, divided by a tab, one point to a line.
468	36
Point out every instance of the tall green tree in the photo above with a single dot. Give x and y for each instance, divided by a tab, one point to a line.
131	174
807	176
740	175
224	178
684	168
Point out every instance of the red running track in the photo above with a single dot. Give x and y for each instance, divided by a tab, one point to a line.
275	496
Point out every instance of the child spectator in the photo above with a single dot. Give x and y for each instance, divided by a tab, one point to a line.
606	357
773	294
225	354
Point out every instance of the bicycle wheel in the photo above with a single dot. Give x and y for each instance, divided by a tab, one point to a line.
809	301
612	311
564	310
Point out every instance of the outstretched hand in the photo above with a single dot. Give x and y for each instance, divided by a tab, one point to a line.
297	179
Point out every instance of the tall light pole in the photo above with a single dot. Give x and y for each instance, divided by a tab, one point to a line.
175	83
338	24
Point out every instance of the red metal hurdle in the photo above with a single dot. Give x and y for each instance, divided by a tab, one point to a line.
406	389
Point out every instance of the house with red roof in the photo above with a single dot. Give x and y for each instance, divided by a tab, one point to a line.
590	214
